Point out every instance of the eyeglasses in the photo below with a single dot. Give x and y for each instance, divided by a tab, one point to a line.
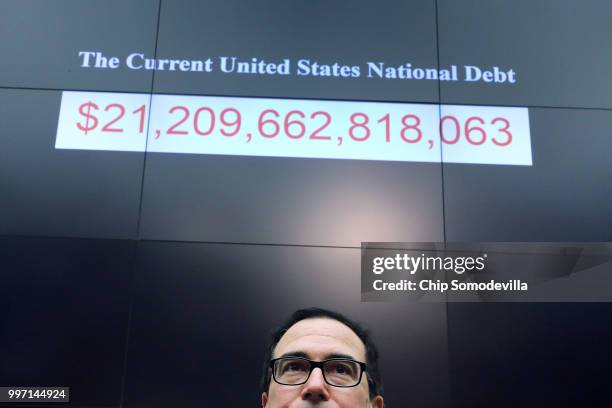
339	372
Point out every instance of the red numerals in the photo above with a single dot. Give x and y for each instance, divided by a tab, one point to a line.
505	130
412	127
226	119
141	122
210	119
204	121
292	123
300	125
456	133
89	121
359	131
172	130
474	131
264	125
107	127
326	121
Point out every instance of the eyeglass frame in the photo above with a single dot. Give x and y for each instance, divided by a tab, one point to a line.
319	364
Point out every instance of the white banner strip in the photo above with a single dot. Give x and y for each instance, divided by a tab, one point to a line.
294	128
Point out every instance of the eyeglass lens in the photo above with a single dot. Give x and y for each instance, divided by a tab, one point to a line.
344	373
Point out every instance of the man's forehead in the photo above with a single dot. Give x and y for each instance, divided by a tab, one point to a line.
319	338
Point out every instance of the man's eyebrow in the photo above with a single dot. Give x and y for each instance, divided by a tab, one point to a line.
336	355
295	354
306	355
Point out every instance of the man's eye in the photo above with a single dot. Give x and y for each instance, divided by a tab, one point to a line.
341	369
294	367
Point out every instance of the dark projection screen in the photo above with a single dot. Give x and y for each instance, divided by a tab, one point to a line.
178	177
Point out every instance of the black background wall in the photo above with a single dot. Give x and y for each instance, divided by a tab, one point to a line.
150	280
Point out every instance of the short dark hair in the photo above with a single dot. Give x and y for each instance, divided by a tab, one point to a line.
372	371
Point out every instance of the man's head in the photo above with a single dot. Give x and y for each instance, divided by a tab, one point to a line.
293	379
